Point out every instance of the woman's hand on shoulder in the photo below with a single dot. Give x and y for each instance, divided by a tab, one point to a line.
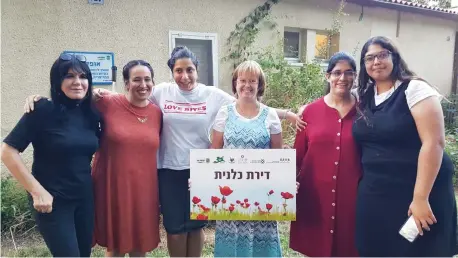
98	94
29	105
297	118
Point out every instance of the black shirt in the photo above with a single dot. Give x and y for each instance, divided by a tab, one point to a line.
64	142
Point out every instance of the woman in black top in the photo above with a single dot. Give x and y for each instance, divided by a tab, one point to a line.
400	129
64	133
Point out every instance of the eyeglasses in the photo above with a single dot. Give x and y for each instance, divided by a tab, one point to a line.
380	56
338	74
68	57
245	82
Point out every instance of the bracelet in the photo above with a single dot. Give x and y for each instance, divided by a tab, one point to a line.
286	113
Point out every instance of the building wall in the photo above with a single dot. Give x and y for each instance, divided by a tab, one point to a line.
35	32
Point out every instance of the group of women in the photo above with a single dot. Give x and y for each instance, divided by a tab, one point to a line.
367	160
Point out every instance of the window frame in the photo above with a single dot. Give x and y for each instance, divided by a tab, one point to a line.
173	35
292	59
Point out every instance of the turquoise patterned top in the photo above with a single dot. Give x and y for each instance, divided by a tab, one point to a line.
246	134
247	238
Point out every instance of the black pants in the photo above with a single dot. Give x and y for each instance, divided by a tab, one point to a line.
68	229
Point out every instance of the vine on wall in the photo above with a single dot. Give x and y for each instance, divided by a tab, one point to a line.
246	31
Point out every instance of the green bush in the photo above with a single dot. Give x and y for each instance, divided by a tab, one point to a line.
16	211
450	109
451	147
289	87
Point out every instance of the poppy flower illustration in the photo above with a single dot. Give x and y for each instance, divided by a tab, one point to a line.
268	206
247	205
215	200
204	208
231	208
202	217
256	203
261	212
286	195
224	200
196	200
269	194
238	202
246	200
232	204
225	190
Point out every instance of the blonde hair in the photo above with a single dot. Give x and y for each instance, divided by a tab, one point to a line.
251	67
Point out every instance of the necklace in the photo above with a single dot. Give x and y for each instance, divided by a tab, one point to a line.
240	111
140	118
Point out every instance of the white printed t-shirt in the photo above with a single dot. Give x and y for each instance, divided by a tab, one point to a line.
188	117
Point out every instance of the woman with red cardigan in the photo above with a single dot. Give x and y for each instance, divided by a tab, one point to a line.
328	166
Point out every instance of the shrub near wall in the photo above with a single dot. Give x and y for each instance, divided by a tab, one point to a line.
289	87
16	212
451	147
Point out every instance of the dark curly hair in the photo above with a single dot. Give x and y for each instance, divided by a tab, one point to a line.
179	53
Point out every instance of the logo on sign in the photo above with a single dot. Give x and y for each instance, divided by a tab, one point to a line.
258	161
219	160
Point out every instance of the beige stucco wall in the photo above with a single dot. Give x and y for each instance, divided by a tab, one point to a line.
34	32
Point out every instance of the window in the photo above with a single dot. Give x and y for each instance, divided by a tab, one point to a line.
204	45
291	45
326	46
310	45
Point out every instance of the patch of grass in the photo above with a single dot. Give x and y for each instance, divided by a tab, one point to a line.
35	247
35	251
254	215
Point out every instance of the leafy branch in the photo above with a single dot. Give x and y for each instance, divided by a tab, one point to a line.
246	31
334	31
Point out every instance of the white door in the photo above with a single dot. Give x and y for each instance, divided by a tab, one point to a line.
204	46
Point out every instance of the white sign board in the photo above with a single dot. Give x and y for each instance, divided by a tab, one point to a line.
100	64
243	184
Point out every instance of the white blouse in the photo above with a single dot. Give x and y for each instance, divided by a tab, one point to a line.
272	122
416	91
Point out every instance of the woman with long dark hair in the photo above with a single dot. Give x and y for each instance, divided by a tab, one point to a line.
64	133
400	129
328	167
125	167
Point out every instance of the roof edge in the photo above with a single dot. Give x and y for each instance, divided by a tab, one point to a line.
407	8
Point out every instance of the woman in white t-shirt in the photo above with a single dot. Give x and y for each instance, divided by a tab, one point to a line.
189	109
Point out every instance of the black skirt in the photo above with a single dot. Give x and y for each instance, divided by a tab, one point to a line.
176	202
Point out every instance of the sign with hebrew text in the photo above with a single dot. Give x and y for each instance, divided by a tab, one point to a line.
239	184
